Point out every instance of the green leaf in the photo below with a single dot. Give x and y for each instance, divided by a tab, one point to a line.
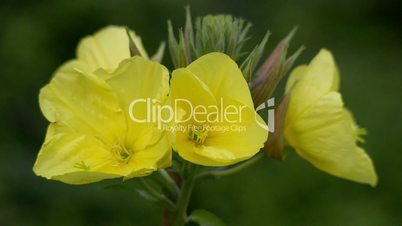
205	218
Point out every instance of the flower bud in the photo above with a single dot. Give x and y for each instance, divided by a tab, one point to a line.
274	145
273	70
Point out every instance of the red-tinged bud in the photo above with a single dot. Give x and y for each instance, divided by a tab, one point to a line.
273	70
274	145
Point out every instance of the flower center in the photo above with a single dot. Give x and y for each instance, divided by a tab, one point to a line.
198	134
121	153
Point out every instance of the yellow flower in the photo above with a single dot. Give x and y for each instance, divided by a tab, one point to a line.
105	49
207	134
318	126
91	136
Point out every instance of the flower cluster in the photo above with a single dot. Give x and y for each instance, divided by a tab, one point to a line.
89	104
91	136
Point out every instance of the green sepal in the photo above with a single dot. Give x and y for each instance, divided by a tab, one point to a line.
134	51
273	70
249	64
158	56
183	50
173	45
150	193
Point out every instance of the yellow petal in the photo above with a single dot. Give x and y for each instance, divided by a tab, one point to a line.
294	77
243	139
136	78
221	147
322	134
222	76
185	86
107	48
215	82
139	79
74	158
188	91
152	158
357	131
320	77
84	103
188	150
74	65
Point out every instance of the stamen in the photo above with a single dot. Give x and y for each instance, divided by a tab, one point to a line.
121	153
82	165
198	134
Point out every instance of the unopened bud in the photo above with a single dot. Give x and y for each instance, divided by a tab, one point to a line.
274	145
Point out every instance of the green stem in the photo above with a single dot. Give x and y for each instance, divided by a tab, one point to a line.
169	183
189	179
156	195
184	198
233	170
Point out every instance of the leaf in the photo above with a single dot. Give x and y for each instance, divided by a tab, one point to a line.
205	218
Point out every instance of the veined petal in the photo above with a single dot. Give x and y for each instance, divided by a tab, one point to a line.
137	78
357	131
328	109
226	142
242	139
137	82
107	48
215	81
83	102
187	92
74	158
322	134
320	77
154	157
294	77
74	65
222	76
188	150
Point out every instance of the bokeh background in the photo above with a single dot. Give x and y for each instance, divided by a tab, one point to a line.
364	35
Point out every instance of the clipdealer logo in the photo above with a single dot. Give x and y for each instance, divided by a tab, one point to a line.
172	117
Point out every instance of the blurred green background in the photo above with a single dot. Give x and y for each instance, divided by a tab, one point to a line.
365	37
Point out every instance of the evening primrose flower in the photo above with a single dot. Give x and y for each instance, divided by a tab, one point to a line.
203	93
105	49
91	136
318	126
